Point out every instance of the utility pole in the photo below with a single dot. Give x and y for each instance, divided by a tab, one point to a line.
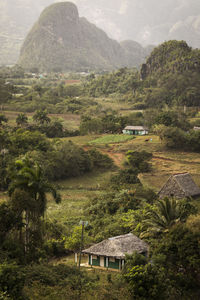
83	223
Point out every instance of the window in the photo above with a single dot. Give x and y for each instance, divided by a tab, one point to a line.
111	259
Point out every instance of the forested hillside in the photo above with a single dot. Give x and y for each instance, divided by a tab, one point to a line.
169	77
70	179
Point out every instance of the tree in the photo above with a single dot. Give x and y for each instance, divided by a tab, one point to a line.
167	213
22	120
41	117
28	191
178	252
5	92
3	119
147	282
12	280
138	160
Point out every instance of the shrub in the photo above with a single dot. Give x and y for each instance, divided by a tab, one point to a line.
12	280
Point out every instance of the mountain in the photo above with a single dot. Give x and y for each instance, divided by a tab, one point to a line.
16	18
61	40
144	21
171	76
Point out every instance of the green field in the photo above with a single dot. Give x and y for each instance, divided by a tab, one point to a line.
112	138
77	191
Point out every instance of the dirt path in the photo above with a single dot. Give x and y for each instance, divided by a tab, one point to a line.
175	160
118	158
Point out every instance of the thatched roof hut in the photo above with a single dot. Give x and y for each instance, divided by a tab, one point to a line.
180	186
135	130
118	246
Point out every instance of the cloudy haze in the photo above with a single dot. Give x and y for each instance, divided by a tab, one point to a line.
145	21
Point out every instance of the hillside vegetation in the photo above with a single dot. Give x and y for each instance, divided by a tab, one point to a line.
63	159
169	78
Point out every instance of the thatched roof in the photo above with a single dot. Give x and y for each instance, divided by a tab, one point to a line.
118	246
135	128
180	186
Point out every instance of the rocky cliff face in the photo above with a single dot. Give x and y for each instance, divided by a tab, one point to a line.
61	40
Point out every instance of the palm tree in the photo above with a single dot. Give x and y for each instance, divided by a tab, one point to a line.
41	117
28	191
166	213
21	120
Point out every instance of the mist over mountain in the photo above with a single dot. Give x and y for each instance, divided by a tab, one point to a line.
62	41
144	21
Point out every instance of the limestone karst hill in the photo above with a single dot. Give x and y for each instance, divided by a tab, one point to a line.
60	40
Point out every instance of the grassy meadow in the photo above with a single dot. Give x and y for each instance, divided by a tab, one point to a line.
76	191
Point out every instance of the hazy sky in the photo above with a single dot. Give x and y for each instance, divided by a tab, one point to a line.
145	21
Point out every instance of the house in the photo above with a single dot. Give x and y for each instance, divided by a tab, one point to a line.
135	130
111	253
180	186
196	128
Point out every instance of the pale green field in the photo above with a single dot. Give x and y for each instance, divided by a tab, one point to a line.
112	138
77	191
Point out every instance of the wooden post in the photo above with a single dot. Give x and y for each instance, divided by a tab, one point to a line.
106	262
81	245
76	258
122	263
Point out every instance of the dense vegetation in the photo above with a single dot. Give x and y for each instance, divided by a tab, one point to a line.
47	165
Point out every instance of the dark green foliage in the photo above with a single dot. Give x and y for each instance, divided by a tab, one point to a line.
134	259
3	119
41	117
121	81
105	213
6	90
22	120
99	160
65	277
55	248
49	275
178	252
166	213
8	220
11	72
68	160
52	129
171	75
12	279
125	176
28	196
107	123
173	119
138	161
176	138
147	282
23	140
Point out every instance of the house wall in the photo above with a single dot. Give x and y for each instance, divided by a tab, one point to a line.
113	265
116	264
94	262
135	132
